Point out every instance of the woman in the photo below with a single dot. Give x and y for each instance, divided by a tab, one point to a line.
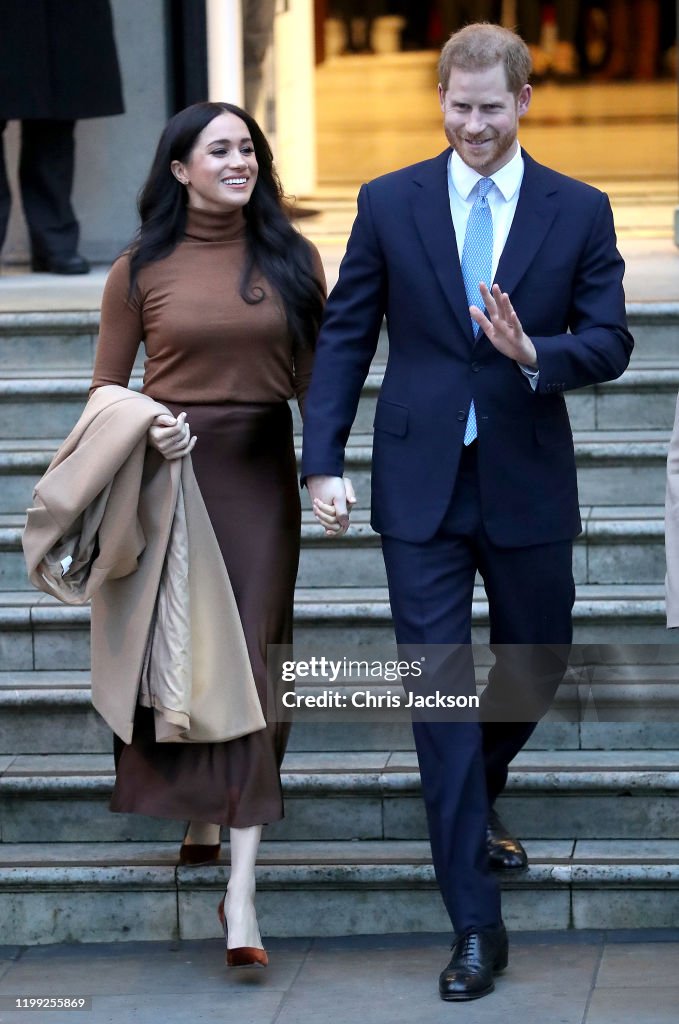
227	297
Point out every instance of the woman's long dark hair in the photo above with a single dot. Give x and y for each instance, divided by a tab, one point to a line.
274	246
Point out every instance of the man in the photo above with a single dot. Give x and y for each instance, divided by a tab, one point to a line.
473	462
58	64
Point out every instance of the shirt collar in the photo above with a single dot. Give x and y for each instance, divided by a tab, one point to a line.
507	178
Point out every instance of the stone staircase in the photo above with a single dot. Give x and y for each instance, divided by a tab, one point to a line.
595	796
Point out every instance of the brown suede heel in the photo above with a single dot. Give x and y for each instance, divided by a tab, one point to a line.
197	853
241	956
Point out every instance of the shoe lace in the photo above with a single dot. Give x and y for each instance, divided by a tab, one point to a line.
468	947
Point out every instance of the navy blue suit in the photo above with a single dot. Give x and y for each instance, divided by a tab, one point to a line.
510	510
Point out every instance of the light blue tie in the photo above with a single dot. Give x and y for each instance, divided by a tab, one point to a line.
477	265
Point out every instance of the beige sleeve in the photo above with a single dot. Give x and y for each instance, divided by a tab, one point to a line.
121	329
672	527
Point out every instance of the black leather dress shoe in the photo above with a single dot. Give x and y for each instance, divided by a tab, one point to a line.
73	264
504	851
477	956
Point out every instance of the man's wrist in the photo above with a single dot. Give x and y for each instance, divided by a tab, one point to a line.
530	360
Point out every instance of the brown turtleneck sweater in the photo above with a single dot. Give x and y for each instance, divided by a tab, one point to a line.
203	342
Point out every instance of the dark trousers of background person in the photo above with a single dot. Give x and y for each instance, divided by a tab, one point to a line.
530	13
463	765
417	14
350	11
46	167
456	13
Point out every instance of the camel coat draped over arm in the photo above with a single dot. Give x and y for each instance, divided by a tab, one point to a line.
115	522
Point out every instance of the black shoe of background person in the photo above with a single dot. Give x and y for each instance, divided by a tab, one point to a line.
505	852
71	264
477	956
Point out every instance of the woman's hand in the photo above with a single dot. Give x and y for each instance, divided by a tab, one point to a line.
170	436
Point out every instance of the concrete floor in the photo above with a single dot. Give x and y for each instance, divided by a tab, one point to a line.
553	978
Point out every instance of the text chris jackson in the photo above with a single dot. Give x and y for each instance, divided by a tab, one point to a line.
368	699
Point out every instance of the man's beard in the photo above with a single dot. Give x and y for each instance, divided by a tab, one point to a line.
488	156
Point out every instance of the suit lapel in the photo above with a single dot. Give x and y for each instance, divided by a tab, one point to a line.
431	210
535	212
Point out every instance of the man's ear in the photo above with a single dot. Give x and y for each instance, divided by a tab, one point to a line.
442	97
523	99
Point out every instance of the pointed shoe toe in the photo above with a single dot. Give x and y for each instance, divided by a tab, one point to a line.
247	956
241	956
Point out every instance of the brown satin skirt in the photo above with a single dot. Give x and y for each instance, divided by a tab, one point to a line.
244	462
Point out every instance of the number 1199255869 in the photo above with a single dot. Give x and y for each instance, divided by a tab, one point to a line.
45	1002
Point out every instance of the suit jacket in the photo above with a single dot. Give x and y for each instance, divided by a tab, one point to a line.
563	273
165	626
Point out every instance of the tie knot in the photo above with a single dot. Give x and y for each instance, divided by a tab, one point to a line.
485	185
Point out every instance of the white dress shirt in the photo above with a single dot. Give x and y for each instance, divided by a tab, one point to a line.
502	199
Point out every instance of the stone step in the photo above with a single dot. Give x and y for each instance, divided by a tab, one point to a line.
617	545
39	634
22	463
48	340
81	892
615	467
361	796
654	327
644	398
43	405
67	339
40	404
51	712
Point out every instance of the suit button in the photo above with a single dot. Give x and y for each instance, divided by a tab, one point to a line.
462	415
476	367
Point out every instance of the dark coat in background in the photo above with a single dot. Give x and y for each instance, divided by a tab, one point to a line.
58	60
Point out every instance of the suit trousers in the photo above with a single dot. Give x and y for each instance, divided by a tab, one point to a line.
464	764
46	167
